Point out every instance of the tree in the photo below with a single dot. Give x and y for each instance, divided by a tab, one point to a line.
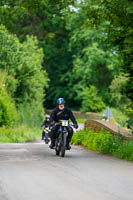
119	15
8	114
118	97
95	61
46	20
87	44
22	62
25	80
91	101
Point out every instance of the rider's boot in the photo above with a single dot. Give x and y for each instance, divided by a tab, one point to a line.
42	137
52	145
68	147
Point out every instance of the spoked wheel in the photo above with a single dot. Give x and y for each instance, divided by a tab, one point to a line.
57	151
46	140
63	146
57	148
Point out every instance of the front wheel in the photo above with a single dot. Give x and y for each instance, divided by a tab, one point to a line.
57	148
63	146
57	152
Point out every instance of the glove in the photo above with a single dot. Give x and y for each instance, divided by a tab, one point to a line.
76	126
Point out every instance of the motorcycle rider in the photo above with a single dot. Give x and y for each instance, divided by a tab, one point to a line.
61	113
45	124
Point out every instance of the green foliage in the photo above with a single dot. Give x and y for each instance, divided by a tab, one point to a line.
88	44
46	20
119	31
22	61
91	101
19	134
7	109
120	117
31	114
130	119
104	142
124	151
95	61
8	115
118	98
25	80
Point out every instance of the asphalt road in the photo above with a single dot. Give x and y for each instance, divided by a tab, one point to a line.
31	171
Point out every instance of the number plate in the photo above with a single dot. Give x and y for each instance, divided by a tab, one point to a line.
64	123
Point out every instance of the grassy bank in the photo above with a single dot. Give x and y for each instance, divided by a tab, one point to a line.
81	120
105	143
20	134
120	117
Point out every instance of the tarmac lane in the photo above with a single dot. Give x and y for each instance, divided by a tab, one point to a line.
32	171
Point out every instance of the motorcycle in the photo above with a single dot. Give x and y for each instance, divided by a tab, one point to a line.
61	139
46	135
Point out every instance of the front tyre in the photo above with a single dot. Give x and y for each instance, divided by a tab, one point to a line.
63	146
57	148
57	152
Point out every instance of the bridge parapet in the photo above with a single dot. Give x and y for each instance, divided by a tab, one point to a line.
115	129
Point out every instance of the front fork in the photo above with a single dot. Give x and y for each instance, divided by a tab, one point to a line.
64	136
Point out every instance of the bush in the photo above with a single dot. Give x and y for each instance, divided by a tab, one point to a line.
104	142
130	120
22	63
118	97
24	79
91	101
8	115
31	114
124	150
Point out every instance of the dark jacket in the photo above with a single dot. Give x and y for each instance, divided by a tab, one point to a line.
66	114
45	124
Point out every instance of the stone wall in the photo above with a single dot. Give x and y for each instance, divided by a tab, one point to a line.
115	129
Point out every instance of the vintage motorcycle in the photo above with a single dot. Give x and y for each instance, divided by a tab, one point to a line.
61	139
46	135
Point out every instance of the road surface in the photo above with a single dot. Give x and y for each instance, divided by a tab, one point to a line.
31	171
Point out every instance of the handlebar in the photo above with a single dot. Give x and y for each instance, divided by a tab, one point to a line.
71	125
58	123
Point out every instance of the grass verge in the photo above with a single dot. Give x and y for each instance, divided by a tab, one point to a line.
105	143
20	134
